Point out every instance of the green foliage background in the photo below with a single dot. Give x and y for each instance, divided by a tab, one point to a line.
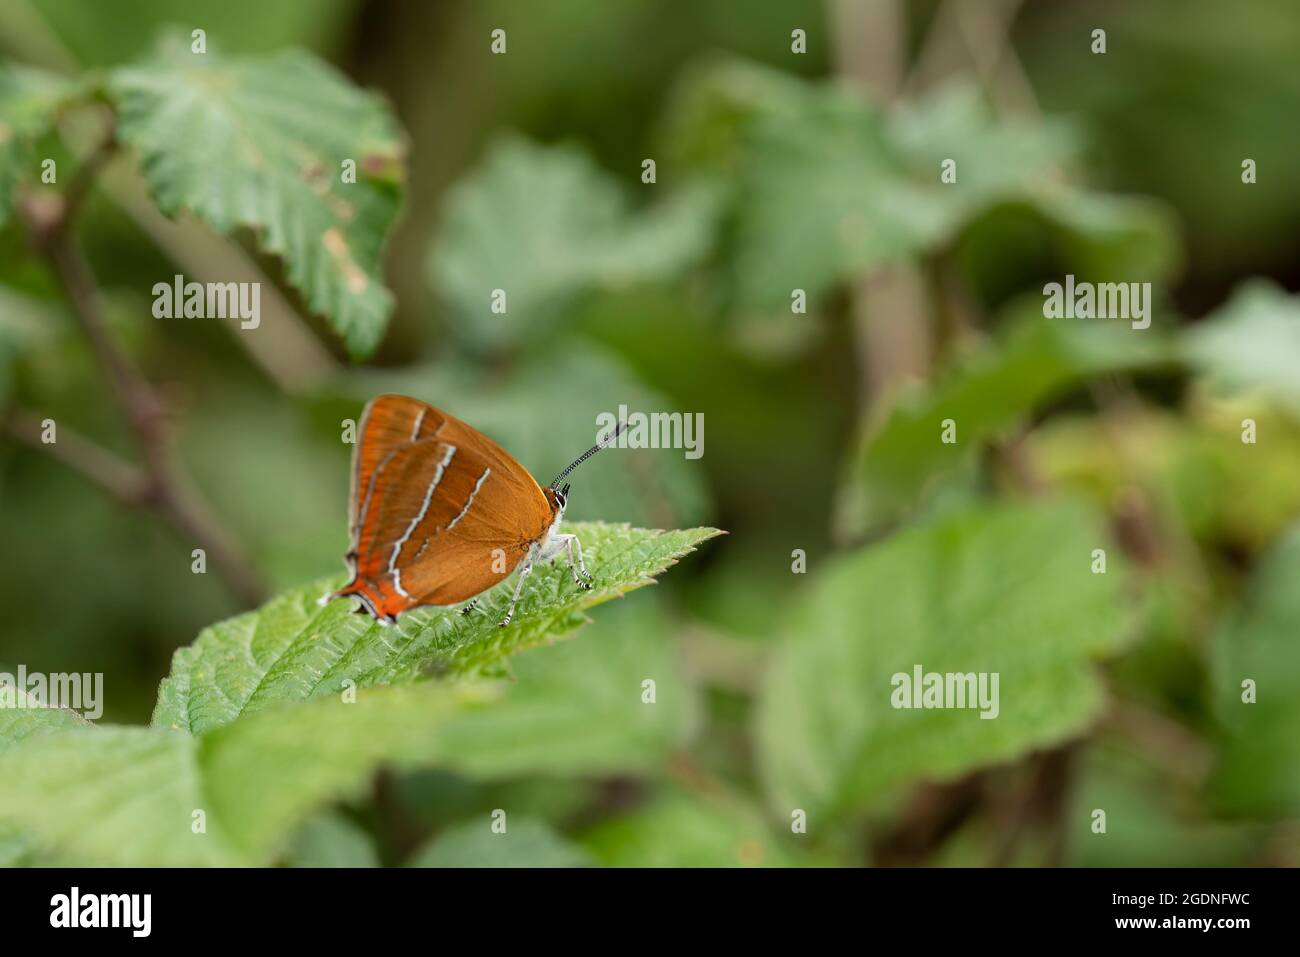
775	172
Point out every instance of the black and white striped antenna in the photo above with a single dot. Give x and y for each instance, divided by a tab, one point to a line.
589	453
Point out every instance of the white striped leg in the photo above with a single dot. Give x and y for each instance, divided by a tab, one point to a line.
580	569
469	606
524	572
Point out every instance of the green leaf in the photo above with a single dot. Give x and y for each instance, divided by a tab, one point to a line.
331	840
580	708
116	796
987	394
1149	823
828	185
1218	488
1259	769
681	830
18	724
29	103
15	850
524	843
292	649
1252	342
545	225
824	194
1004	590
260	142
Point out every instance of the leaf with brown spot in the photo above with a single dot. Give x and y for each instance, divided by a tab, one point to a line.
259	142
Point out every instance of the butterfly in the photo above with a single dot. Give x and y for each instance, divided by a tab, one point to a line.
439	513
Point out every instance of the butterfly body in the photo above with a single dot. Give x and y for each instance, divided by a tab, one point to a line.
440	513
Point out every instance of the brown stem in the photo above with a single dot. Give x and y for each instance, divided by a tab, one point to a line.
934	813
156	485
889	304
97	464
86	175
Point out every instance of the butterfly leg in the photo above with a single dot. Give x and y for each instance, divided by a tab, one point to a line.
581	577
469	606
524	572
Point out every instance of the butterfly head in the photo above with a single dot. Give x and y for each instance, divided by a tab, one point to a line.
559	498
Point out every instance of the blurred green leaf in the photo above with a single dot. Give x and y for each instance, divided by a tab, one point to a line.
828	185
331	840
119	796
1149	821
524	843
681	830
1259	770
15	850
293	649
580	708
29	102
545	225
1218	489
1004	590
1252	342
260	142
824	194
985	395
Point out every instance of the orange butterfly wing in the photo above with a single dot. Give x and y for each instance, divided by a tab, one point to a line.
439	512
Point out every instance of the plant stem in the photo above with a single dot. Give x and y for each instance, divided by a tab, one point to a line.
97	464
156	485
889	304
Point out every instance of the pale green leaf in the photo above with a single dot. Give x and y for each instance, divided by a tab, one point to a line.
17	724
524	843
15	850
544	225
260	142
292	649
828	185
1006	590
1252	342
683	830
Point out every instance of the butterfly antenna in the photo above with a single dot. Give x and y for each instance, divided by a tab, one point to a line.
590	452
